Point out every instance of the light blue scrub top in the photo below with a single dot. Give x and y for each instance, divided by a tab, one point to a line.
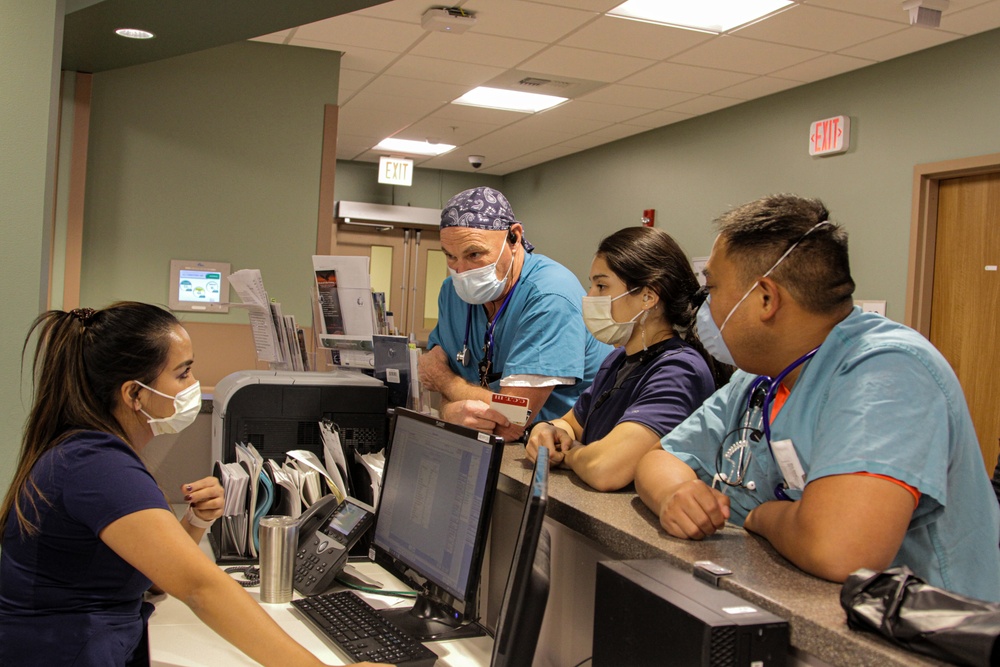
877	397
541	332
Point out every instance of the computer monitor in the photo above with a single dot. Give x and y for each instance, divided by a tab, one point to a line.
527	591
433	519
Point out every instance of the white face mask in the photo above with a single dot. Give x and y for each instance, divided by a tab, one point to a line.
597	317
479	286
187	405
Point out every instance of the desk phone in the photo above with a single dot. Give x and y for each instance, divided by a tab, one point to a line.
327	531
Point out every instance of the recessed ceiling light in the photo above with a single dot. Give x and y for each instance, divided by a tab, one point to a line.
706	15
134	33
509	100
412	147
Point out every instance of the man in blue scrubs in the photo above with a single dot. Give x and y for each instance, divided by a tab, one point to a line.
844	440
509	321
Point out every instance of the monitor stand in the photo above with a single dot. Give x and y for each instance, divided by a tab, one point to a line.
429	620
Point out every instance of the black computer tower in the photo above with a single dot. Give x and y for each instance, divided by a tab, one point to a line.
648	612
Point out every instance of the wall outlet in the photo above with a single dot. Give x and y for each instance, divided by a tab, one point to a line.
868	306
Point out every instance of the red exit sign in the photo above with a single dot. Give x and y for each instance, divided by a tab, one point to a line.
830	136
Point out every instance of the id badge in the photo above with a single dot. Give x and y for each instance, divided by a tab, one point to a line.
788	462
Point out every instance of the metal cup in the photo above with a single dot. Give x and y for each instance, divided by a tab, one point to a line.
279	537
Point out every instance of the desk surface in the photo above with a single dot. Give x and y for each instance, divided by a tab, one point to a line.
178	638
620	523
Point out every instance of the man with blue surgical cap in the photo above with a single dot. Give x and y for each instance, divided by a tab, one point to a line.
509	321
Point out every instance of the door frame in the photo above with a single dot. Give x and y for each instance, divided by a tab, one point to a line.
923	231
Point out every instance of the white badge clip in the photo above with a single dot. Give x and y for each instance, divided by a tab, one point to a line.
788	462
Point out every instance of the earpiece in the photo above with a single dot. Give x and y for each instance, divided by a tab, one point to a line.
511	237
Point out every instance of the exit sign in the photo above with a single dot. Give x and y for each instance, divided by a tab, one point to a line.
395	170
830	136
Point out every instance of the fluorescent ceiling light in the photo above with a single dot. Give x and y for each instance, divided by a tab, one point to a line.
706	15
134	33
509	100
412	147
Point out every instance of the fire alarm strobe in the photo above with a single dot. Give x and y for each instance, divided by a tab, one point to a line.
445	19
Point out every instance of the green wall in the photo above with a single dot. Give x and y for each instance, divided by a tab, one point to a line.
938	104
208	156
30	39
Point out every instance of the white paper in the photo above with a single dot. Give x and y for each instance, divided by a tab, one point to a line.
310	462
375	463
249	286
333	454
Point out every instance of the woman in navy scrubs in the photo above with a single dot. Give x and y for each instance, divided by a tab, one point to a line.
641	296
85	528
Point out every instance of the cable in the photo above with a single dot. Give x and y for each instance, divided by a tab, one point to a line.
378	591
587	659
251	575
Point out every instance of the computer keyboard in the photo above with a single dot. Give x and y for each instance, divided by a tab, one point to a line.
361	632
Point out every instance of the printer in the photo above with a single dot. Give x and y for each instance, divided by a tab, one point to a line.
278	411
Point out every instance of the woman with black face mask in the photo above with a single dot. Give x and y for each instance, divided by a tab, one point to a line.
640	300
85	529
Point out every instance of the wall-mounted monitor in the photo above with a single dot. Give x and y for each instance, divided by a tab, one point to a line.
200	287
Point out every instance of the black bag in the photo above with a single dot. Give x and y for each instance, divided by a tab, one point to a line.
917	616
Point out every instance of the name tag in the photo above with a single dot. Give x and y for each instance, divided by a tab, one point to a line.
788	462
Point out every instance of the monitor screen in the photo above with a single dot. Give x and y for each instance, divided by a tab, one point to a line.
433	514
527	591
199	286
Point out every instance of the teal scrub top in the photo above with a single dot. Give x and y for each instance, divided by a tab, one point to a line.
878	398
540	332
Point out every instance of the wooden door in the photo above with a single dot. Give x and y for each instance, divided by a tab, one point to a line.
966	293
406	264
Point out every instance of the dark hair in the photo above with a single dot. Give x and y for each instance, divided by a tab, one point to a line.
649	257
817	273
81	360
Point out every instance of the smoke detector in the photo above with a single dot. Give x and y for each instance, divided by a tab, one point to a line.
925	13
447	19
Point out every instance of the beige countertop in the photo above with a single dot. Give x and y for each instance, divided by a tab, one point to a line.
623	525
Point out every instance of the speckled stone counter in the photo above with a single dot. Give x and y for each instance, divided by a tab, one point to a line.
624	526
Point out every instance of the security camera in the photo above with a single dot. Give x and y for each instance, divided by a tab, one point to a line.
476	161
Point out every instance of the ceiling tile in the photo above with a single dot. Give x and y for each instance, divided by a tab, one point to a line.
737	54
686	78
465	113
634	38
475	48
600	6
604	135
525	20
891	10
637	96
820	68
759	87
552	122
581	64
658	119
611	113
275	37
357	30
416	89
449	131
705	104
399	10
373	123
972	21
355	57
446	71
818	28
900	43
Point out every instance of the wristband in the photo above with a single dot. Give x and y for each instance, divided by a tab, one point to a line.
197	521
527	431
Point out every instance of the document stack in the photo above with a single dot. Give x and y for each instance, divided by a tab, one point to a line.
254	488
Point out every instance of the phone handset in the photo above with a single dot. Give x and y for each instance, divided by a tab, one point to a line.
327	531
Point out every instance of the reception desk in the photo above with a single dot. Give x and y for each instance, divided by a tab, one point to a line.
587	526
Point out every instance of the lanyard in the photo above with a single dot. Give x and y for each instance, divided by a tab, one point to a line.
773	388
464	357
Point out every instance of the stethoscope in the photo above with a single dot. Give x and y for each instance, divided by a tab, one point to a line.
760	399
